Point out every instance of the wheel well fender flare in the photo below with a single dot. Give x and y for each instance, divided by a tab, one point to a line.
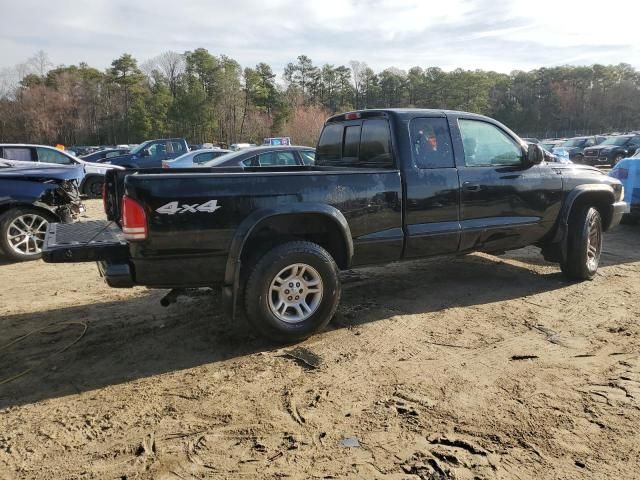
575	196
42	207
260	217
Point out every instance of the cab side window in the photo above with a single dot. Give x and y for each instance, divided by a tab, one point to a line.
431	143
485	145
50	155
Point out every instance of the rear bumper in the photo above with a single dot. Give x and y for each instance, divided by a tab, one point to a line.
116	274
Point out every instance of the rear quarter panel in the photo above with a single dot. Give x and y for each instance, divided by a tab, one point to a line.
369	200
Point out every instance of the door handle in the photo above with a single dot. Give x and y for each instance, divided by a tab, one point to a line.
471	187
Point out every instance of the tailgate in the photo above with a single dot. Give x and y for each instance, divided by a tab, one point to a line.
84	242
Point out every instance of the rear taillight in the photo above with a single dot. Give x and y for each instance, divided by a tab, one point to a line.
134	220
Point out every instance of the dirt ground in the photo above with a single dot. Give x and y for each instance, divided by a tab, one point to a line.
475	367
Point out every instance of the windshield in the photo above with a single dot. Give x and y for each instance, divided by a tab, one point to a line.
574	142
223	158
139	148
616	141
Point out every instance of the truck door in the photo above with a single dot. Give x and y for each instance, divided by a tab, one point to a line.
505	201
432	190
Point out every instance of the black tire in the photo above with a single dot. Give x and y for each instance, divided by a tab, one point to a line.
259	296
93	187
6	220
581	264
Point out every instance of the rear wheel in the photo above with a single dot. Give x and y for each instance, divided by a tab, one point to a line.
292	292
584	244
22	232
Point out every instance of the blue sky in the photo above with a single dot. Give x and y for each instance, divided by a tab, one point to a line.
490	34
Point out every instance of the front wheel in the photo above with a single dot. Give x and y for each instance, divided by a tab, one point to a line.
584	244
292	292
22	232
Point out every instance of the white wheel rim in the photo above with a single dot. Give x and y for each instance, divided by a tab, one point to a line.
594	244
295	293
25	234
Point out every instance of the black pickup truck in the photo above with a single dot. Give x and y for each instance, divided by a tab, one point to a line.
388	185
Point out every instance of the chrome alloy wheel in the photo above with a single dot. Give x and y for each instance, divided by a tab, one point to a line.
26	234
295	293
594	243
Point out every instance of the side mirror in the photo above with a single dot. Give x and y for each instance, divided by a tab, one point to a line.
146	152
535	154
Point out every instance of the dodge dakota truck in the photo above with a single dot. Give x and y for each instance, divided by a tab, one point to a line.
387	185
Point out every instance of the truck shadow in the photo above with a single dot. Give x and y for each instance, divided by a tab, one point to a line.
136	338
620	247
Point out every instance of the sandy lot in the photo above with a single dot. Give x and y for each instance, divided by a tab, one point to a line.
474	367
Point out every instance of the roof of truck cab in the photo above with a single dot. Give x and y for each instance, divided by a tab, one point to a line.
412	112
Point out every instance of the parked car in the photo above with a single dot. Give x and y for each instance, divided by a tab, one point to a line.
195	158
151	153
627	171
575	146
550	144
266	156
531	140
612	150
388	184
92	180
32	196
101	155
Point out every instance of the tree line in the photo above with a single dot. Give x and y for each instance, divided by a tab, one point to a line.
208	98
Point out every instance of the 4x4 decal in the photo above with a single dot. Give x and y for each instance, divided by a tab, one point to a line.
172	208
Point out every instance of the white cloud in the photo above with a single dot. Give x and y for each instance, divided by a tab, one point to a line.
492	34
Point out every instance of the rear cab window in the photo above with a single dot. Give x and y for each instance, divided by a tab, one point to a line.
364	143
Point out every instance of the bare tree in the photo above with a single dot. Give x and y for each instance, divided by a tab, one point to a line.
40	63
359	70
171	65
